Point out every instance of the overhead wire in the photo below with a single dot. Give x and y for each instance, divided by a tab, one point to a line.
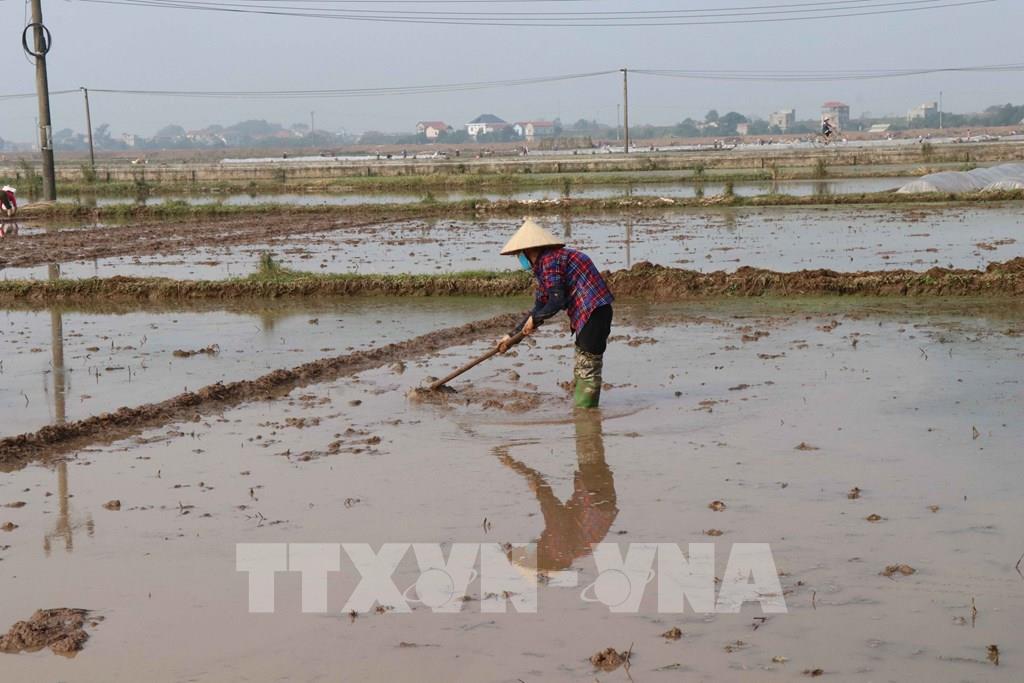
751	14
768	75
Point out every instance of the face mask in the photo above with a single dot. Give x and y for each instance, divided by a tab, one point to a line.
525	262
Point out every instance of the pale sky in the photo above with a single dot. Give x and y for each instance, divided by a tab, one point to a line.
131	47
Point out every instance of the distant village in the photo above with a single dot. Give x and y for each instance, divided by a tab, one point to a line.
490	128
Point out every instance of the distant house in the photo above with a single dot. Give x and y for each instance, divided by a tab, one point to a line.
743	128
533	130
926	111
485	123
130	139
838	112
432	129
880	128
783	120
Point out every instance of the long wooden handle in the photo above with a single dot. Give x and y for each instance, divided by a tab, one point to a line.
518	337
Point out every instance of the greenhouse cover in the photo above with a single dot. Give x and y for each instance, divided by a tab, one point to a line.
1002	177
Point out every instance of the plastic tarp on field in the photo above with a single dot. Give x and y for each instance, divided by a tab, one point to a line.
1002	177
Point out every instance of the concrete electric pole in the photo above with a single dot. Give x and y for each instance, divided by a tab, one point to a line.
40	46
88	128
625	106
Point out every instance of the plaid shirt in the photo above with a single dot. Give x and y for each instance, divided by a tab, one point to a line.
573	271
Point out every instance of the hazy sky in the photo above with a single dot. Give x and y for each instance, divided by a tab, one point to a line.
125	47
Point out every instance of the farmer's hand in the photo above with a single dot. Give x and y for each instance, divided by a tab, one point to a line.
529	327
503	343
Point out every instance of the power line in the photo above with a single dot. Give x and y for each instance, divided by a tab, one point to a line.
32	95
746	10
769	75
355	92
649	18
812	76
333	93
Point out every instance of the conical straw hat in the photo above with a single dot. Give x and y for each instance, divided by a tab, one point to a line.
530	236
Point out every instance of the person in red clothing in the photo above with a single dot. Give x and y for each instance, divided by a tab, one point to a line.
8	202
566	279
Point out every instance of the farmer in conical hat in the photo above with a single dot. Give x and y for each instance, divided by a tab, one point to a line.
566	279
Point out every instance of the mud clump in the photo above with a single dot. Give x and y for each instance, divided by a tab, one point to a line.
898	569
428	395
609	659
672	634
211	350
62	630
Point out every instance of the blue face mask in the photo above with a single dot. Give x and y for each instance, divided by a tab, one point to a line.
525	262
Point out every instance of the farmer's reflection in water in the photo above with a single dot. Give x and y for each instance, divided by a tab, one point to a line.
585	518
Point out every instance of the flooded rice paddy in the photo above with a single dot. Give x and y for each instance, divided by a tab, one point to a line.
779	410
782	239
60	365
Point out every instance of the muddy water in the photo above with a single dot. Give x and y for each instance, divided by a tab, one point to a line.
801	188
61	365
713	239
707	403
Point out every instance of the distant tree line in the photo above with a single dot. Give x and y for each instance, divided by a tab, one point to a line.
257	133
252	133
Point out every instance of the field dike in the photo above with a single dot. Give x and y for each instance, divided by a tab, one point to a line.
643	281
177	209
16	451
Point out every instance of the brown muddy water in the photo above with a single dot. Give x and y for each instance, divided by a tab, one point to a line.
63	364
779	410
781	239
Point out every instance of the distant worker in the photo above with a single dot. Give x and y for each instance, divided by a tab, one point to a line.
566	279
827	129
8	202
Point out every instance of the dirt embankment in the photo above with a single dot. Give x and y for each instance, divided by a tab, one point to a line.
653	282
15	451
505	207
642	281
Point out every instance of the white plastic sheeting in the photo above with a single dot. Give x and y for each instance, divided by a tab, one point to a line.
1002	177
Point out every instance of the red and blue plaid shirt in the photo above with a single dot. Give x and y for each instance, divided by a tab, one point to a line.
576	275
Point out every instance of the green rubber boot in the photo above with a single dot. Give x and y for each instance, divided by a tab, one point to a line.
587	388
587	393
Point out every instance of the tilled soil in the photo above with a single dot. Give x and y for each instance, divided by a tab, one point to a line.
161	237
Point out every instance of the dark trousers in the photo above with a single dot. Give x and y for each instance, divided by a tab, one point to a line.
593	336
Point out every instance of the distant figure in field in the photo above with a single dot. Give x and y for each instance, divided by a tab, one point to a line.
827	129
8	202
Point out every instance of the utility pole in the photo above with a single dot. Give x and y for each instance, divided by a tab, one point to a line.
41	45
618	122
625	106
940	110
312	122
88	127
